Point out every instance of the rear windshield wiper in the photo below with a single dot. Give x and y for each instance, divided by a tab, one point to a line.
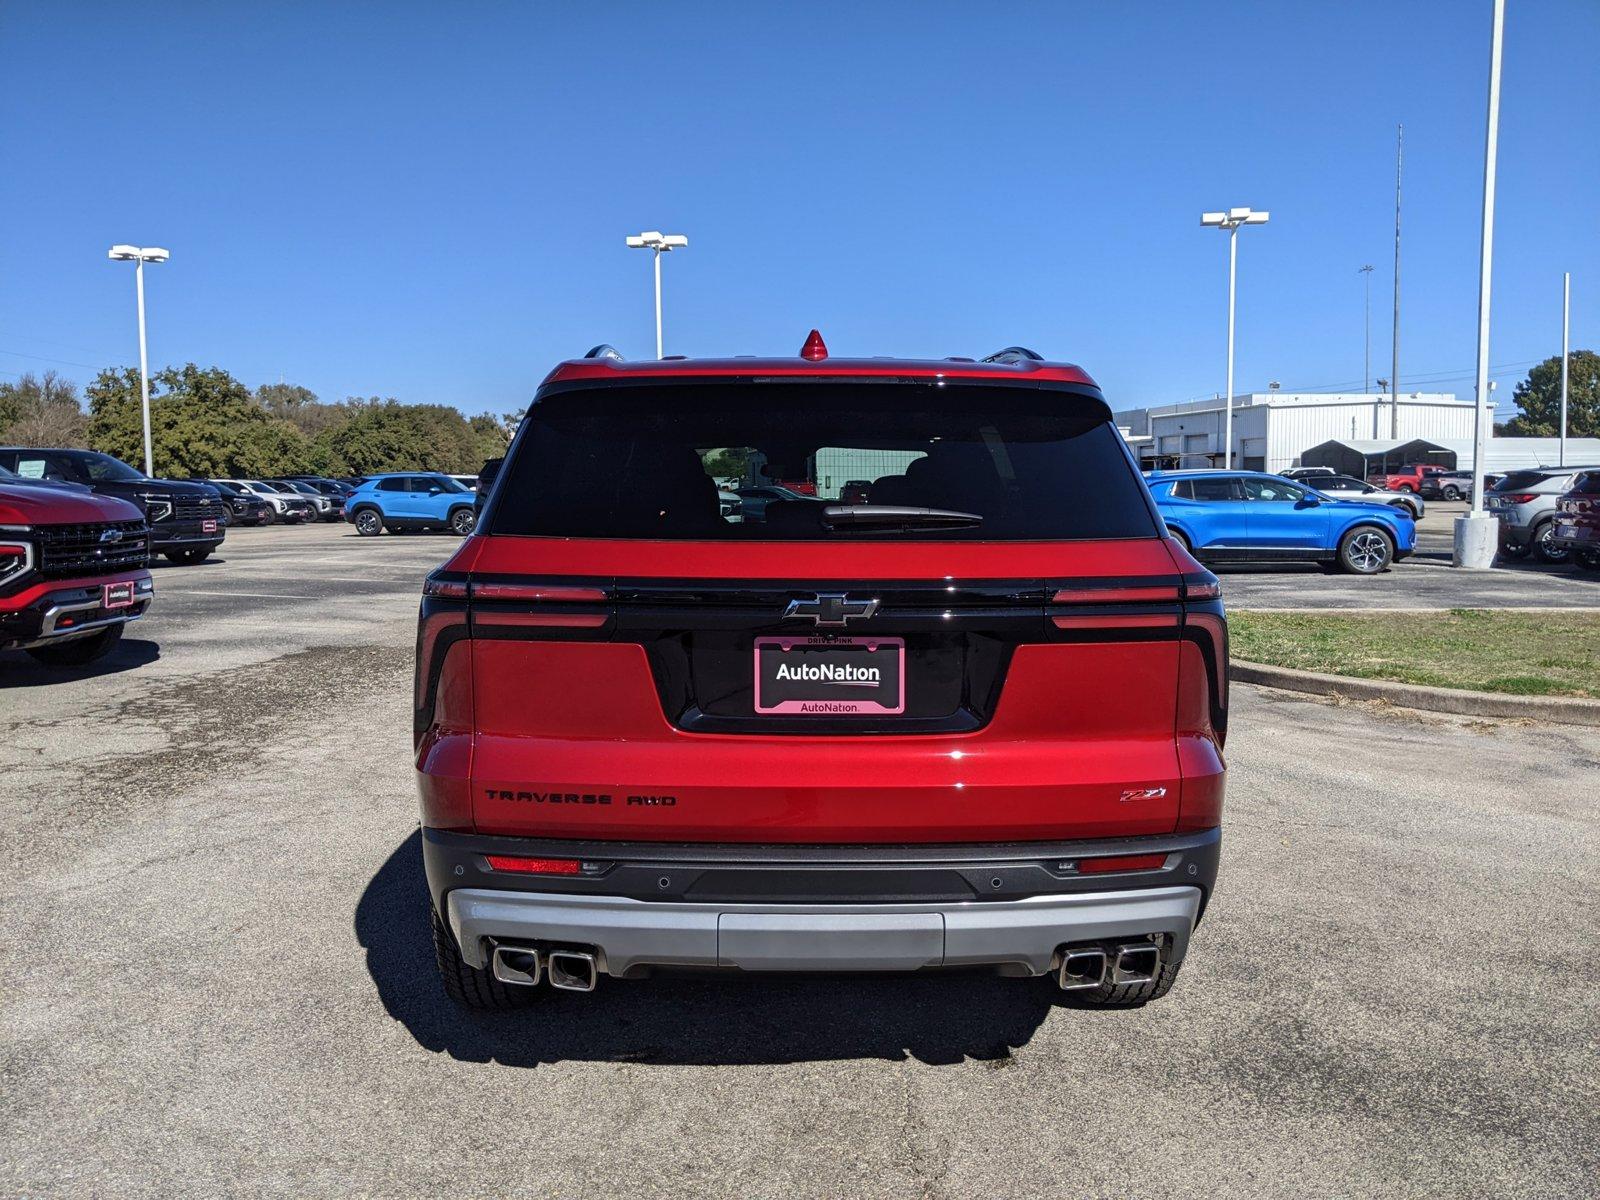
894	516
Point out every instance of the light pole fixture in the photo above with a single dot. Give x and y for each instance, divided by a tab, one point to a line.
1231	221
660	243
1366	374
139	255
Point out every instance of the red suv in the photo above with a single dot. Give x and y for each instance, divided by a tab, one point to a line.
975	722
72	570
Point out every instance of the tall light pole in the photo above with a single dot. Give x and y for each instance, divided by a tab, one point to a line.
1476	533
1566	326
1366	374
1231	220
1394	365
139	255
660	243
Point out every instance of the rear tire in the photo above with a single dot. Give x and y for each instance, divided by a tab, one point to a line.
463	521
187	558
1544	547
468	986
81	651
1589	560
1452	493
1365	550
369	522
1178	537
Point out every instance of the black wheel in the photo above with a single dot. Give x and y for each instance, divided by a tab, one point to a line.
369	522
1130	995
468	986
1177	536
1589	560
1365	550
1514	550
463	521
80	651
187	558
1544	545
1452	493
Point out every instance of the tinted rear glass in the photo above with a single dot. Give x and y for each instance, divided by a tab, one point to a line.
1518	480
648	461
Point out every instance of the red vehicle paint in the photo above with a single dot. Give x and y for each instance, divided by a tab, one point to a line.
1406	479
789	729
72	571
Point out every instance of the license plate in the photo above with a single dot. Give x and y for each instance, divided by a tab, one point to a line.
208	526
823	676
117	595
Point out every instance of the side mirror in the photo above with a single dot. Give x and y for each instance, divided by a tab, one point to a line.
1308	502
434	489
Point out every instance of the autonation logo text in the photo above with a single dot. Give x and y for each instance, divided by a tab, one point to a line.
829	673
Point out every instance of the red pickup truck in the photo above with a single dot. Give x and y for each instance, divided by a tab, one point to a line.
1406	479
72	571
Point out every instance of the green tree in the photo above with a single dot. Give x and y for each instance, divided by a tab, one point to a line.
1539	398
203	421
301	408
42	411
385	435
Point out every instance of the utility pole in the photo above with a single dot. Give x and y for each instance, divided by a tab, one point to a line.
1566	326
1394	366
1366	373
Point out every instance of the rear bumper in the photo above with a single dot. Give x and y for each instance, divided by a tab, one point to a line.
844	908
1023	935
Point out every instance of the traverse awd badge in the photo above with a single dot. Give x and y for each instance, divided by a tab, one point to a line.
830	608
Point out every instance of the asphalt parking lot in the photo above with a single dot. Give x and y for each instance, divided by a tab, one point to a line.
218	977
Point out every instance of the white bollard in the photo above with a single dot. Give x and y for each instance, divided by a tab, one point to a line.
1477	539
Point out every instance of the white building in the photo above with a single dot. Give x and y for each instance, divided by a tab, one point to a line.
1272	429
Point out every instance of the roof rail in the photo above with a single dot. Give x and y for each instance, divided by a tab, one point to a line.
1014	354
604	350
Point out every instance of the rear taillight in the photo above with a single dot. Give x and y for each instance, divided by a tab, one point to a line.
1520	497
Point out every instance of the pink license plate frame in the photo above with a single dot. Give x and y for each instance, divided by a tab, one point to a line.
830	706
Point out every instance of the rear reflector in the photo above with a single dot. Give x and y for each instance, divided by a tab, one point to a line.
1121	862
533	866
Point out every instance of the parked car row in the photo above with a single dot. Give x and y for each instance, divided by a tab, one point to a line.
1552	513
187	520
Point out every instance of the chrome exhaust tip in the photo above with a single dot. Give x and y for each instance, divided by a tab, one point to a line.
517	965
1082	967
571	970
1136	962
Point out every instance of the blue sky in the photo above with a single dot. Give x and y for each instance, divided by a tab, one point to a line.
429	200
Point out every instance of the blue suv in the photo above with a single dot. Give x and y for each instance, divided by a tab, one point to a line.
1248	516
410	500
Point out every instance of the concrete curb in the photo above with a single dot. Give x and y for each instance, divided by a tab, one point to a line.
1565	710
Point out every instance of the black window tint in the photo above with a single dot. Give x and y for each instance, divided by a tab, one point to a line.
645	461
1516	481
1588	483
392	485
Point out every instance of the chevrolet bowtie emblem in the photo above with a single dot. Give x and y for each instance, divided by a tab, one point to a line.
830	608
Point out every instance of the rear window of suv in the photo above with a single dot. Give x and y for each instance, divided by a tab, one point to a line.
647	462
1519	480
